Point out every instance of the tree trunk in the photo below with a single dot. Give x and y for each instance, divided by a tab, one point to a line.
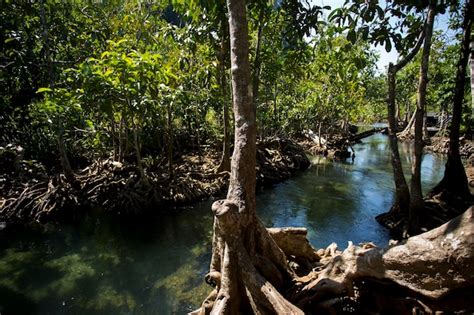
407	131
397	113
416	201
442	125
402	197
455	181
67	169
137	146
169	148
115	138
247	266
225	160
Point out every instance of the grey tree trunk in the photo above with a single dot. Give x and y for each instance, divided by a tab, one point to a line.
247	266
416	200
243	174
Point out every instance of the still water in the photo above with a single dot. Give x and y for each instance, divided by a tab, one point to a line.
157	266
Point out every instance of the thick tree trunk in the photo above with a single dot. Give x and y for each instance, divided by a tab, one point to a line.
455	182
242	180
416	201
247	266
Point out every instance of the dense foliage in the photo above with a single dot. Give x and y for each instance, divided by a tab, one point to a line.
134	80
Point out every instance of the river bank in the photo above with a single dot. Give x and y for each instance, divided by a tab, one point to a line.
31	194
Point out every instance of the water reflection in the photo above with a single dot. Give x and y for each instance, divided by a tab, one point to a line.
338	201
157	266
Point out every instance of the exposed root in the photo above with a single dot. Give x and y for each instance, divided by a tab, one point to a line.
117	187
413	276
247	266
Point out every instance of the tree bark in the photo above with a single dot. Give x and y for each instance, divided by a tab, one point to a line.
225	160
247	266
455	180
416	196
243	175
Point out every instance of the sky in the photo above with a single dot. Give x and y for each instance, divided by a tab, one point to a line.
441	23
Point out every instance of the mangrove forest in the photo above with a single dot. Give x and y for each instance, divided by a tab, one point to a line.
236	157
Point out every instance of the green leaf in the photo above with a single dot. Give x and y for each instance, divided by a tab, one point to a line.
388	45
351	35
43	90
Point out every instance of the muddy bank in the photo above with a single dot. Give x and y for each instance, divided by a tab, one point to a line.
30	194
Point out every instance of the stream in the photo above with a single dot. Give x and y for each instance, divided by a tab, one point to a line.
156	266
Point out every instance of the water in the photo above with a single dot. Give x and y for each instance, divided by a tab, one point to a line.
157	266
